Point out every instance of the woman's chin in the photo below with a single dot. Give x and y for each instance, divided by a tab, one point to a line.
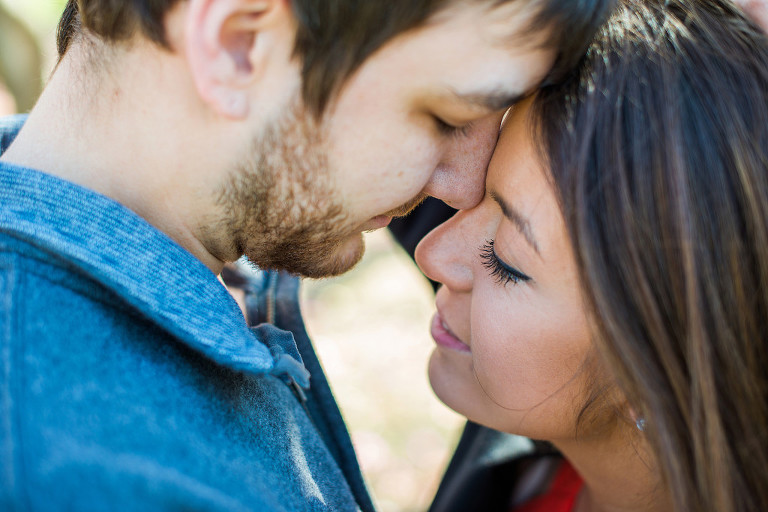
449	379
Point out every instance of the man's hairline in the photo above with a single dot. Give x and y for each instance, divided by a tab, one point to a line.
528	29
99	51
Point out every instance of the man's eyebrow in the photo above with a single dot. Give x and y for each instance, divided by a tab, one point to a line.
519	220
494	101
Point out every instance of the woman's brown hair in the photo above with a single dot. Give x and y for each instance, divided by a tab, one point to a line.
658	147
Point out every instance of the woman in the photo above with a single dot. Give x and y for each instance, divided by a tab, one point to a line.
610	293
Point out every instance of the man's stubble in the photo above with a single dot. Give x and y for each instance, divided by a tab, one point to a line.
282	207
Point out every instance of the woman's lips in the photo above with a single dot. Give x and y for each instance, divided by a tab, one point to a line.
444	337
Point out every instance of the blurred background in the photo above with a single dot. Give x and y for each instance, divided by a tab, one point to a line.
371	329
370	326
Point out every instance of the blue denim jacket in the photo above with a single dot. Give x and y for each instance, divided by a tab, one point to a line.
129	379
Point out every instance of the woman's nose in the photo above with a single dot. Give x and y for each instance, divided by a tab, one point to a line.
446	254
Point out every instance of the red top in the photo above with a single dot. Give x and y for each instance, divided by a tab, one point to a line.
561	495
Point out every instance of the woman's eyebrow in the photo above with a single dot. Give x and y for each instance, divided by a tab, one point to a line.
520	221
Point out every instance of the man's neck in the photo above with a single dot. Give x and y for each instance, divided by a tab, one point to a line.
118	136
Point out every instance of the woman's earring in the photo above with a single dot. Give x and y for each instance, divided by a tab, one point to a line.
639	420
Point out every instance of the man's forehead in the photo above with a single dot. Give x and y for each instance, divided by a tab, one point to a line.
455	68
502	21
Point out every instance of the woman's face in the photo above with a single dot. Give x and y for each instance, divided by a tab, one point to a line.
511	332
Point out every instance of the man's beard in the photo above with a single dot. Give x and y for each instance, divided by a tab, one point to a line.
282	208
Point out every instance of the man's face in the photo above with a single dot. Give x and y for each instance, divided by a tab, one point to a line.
302	202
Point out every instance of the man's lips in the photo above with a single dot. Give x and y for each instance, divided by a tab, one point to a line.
408	207
382	221
444	337
378	222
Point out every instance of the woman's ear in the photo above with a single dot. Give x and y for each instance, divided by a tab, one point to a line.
228	44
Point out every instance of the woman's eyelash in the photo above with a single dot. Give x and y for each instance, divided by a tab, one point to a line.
502	272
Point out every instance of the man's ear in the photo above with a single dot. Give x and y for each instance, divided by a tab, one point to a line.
229	42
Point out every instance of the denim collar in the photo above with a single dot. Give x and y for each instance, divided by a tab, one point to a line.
114	246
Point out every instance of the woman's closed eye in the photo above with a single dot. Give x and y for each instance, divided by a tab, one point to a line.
502	272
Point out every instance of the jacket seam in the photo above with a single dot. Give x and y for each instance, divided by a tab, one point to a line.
15	353
20	320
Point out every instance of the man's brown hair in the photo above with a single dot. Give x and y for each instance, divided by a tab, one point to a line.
335	37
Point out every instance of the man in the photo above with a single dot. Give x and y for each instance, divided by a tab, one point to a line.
175	136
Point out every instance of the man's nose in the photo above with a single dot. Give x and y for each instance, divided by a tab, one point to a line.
459	179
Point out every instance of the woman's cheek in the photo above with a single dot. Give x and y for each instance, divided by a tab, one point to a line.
499	357
522	354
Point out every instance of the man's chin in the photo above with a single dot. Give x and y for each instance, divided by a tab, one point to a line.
339	261
316	260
